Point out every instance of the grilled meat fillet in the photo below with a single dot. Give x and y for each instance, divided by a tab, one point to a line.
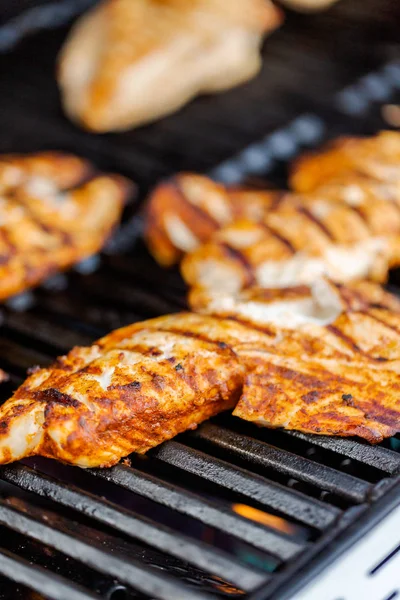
300	240
376	157
52	215
130	391
329	362
186	210
127	63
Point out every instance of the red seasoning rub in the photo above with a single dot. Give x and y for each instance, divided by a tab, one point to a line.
55	210
329	363
130	391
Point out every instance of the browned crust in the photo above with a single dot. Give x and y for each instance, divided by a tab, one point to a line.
125	394
345	156
191	198
339	379
56	212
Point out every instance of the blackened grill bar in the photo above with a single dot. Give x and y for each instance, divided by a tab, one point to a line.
269	457
143	529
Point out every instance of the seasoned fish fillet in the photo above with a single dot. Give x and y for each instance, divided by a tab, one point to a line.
331	365
292	245
53	212
127	63
376	157
186	210
130	391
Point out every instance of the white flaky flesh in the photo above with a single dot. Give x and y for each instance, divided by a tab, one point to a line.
321	306
338	263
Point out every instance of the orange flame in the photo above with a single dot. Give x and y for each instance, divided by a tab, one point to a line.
253	514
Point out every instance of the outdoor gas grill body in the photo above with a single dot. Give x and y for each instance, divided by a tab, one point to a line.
227	511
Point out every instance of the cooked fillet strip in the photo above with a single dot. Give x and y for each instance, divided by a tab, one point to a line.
376	157
127	63
294	244
186	210
321	360
130	391
331	363
52	215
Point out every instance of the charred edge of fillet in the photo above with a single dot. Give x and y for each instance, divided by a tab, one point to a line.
52	395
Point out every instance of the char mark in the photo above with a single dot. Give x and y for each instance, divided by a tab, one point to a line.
239	257
54	396
271	231
321	226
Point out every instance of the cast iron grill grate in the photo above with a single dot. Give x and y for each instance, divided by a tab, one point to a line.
228	510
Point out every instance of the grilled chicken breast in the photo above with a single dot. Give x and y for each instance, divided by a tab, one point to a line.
53	212
294	244
126	63
376	157
186	210
329	361
130	391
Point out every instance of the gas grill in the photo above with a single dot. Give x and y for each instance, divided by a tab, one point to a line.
227	511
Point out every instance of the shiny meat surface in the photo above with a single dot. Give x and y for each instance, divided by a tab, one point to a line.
54	212
186	210
127	63
129	392
329	362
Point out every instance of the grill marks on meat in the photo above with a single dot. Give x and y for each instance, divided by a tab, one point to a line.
347	254
323	360
124	394
54	211
330	363
186	210
347	230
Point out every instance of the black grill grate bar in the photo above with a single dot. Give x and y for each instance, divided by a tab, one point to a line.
41	580
38	328
154	534
117	293
128	571
263	454
18	359
375	456
288	502
204	510
83	316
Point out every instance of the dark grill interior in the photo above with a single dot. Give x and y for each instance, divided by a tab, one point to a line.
229	510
